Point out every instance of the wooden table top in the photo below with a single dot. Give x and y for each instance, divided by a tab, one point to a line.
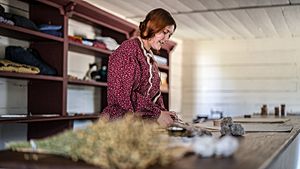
257	151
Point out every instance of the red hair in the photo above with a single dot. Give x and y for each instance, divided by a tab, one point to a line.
155	21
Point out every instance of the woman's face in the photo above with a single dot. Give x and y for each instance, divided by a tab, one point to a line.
161	37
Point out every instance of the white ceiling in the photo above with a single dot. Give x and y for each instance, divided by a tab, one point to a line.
217	19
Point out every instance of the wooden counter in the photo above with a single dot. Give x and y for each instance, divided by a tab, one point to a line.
260	150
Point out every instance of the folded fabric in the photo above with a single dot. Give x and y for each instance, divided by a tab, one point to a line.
110	43
99	44
87	42
28	57
75	39
3	18
53	32
6	21
48	27
20	21
7	65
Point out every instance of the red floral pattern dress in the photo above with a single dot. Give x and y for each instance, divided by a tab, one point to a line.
133	82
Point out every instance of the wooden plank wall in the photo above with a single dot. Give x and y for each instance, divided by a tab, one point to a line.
175	79
238	76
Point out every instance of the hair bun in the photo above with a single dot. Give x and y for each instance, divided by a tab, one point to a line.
142	26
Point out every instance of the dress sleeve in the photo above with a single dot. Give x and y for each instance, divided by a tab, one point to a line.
147	107
121	70
160	103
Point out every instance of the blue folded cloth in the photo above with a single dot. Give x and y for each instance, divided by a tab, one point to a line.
53	32
48	27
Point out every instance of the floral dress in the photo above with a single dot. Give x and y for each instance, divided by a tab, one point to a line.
133	82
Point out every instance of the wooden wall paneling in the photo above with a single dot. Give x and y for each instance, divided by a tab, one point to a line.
262	20
279	22
245	19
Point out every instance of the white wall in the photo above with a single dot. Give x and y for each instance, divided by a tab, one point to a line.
175	79
238	76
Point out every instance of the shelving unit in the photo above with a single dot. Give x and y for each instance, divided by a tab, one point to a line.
166	53
48	94
80	48
25	76
87	83
37	118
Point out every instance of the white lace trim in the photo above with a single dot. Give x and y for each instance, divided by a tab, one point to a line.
148	56
156	98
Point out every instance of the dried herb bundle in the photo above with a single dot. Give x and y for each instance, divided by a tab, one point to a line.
124	144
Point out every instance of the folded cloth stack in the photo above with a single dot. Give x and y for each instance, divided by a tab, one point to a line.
6	21
29	57
76	39
54	30
110	43
99	44
3	19
18	20
9	66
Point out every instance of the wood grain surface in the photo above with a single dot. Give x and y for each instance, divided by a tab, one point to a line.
261	119
257	150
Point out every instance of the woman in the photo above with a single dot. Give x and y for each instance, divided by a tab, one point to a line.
133	75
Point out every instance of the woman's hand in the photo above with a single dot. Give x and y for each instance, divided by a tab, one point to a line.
165	119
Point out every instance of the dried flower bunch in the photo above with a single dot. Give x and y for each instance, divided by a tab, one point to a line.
128	143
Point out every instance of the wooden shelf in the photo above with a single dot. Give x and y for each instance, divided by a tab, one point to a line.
89	50
26	76
87	83
95	22
40	118
26	34
92	15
